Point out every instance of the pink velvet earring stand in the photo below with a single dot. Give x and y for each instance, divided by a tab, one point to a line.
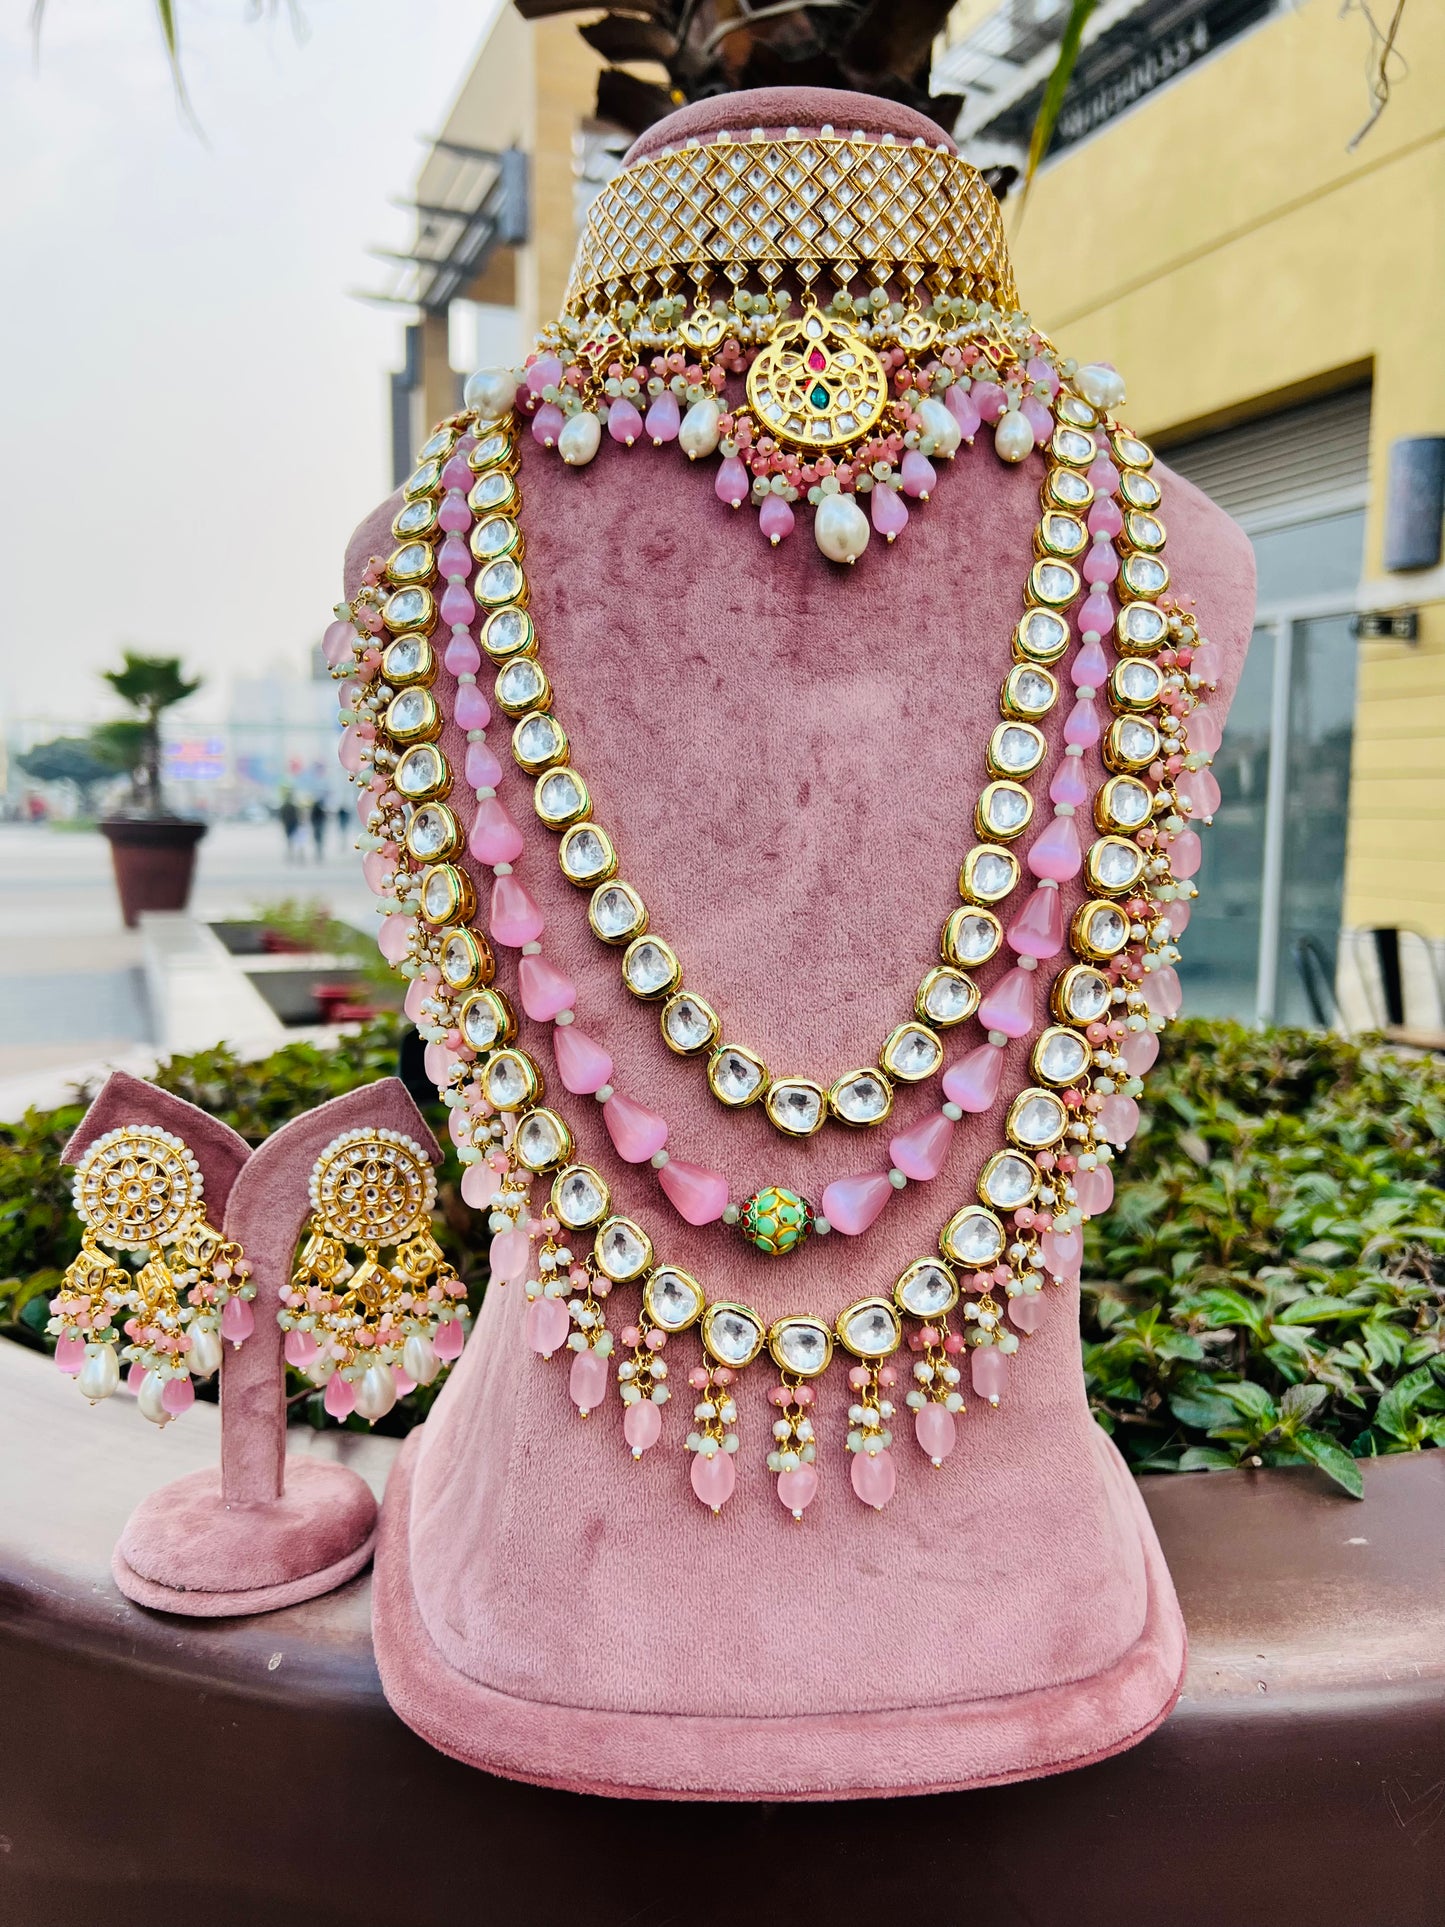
787	754
261	1530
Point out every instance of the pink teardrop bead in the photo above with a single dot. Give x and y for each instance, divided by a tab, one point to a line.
1090	668
637	1133
582	1065
1106	517
1096	614
375	869
336	643
437	1062
889	514
988	1372
546	1325
851	1204
456	474
920	477
874	1478
545	372
515	919
960	403
1208	663
713	1478
545	989
348	750
1039	417
1200	790
587	1381
418	992
340	1398
509	1253
459	1126
972	1083
179	1396
624	424
479	1181
1100	565
698	1195
494	837
1163	992
1009	1006
1140	1052
1062	1252
776	519
1068	785
1180	911
922	1152
462	657
1118	1119
731	483
1042	371
454	557
663	418
1083	728
457	606
135	1378
1103	474
238	1320
472	708
483	770
70	1355
641	1426
936	1431
454	515
1055	852
403	1383
1186	853
1094	1190
989	399
547	424
300	1348
1025	1313
1038	929
798	1489
1202	731
393	936
450	1337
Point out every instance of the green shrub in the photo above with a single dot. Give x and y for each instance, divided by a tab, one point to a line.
1269	1287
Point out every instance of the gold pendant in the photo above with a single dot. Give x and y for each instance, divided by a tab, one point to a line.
817	385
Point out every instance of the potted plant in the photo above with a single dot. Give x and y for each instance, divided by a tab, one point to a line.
152	850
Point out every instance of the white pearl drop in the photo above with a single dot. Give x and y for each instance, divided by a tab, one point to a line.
939	432
580	440
699	433
1101	387
375	1392
152	1393
1014	436
100	1374
840	528
419	1359
490	391
205	1353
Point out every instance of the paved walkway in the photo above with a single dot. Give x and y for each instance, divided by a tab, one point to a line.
72	989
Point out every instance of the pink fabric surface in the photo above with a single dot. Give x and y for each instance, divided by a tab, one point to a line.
940	1743
775	109
124	1099
188	1538
788	756
268	1208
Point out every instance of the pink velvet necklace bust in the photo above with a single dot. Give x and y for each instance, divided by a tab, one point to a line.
785	751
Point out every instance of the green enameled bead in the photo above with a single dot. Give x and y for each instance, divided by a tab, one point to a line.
776	1220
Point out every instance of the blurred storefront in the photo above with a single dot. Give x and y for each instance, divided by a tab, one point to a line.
1269	290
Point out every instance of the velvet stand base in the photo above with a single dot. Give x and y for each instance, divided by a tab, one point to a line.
942	1747
186	1549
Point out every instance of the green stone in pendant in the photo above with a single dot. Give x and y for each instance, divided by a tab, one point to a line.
819	396
776	1220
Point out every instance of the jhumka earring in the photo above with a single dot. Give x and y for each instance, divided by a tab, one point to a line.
139	1189
371	1332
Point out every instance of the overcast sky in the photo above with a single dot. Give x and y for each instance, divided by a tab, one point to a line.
193	413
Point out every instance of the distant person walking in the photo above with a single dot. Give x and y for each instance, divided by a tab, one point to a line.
318	828
290	827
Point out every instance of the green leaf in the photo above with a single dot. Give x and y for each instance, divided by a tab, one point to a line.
1253	1400
1206	1458
1056	86
1201	1410
1300	1400
1394	1410
1333	1459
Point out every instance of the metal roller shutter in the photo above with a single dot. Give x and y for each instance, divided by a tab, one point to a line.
1308	460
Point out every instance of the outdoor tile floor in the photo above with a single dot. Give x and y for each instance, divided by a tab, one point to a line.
72	988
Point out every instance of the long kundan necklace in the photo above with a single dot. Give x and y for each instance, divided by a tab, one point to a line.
857	398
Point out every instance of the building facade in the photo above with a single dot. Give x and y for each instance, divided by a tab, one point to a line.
1268	287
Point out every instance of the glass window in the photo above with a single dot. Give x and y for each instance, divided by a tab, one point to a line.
1310	559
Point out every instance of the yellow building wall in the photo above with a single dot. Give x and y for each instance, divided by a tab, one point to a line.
1224	249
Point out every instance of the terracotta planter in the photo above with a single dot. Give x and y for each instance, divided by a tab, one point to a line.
154	861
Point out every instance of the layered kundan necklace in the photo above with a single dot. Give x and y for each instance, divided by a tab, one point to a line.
858	398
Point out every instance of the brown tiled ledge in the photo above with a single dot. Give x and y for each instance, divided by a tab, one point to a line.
249	1771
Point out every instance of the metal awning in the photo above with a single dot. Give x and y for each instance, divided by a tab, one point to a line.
477	201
